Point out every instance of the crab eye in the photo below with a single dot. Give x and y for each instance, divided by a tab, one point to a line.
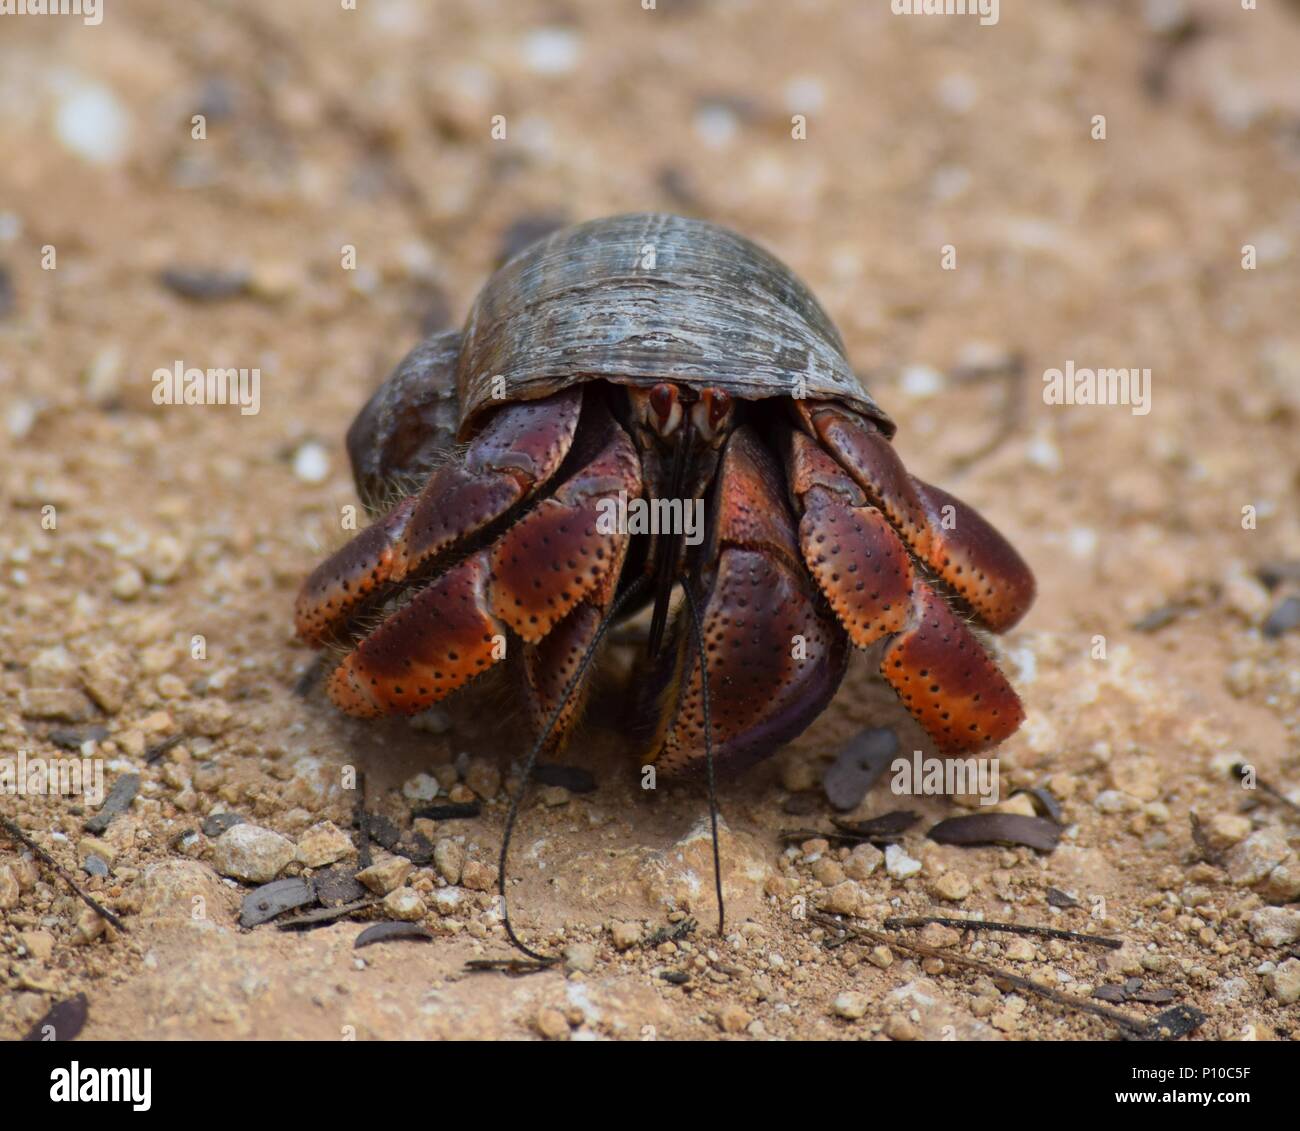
711	413
666	409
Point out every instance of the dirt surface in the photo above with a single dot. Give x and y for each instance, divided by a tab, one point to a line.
131	529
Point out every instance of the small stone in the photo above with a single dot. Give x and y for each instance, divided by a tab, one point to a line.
881	956
385	875
449	860
478	876
863	861
448	901
1284	982
1114	801
845	899
9	889
798	775
94	866
93	846
580	956
106	677
324	843
165	559
127	584
1283	883
1275	926
311	463
90	925
60	704
851	1005
625	935
939	936
732	1018
421	787
898	864
828	872
251	853
1223	830
1021	950
38	944
405	905
553	796
483	778
900	1028
951	886
551	1024
1255	857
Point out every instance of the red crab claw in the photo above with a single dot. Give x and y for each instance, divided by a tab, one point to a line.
775	659
932	660
539	574
521	448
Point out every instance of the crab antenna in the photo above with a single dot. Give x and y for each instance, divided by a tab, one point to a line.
668	545
698	628
619	602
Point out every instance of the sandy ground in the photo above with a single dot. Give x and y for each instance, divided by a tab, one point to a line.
131	529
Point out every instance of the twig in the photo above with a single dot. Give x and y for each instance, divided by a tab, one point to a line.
45	858
1012	928
515	967
1130	1026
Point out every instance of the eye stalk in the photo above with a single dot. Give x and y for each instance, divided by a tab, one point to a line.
663	409
711	414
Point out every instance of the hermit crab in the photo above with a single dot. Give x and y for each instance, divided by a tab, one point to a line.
532	481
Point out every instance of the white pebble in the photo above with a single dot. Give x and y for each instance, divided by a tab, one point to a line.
716	125
311	463
552	51
93	124
898	864
922	381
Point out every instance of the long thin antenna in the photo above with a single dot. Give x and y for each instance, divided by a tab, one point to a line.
698	627
619	602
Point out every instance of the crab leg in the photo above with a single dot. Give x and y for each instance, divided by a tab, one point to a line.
556	558
521	448
953	539
775	659
932	660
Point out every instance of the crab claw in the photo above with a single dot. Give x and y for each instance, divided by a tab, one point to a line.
774	656
934	663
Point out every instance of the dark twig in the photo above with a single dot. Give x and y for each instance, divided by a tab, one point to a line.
1010	928
45	858
515	967
1132	1027
1240	770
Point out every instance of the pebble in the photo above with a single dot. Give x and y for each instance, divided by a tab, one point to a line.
551	1024
311	462
478	876
405	905
1256	856
421	787
92	123
552	50
553	796
1283	883
898	864
324	843
251	853
580	956
900	1028
951	886
851	1005
38	944
447	901
449	860
625	934
733	1018
1284	982
483	778
881	956
1275	926
828	872
1223	830
863	861
58	704
1021	950
93	846
845	899
384	875
9	889
128	584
